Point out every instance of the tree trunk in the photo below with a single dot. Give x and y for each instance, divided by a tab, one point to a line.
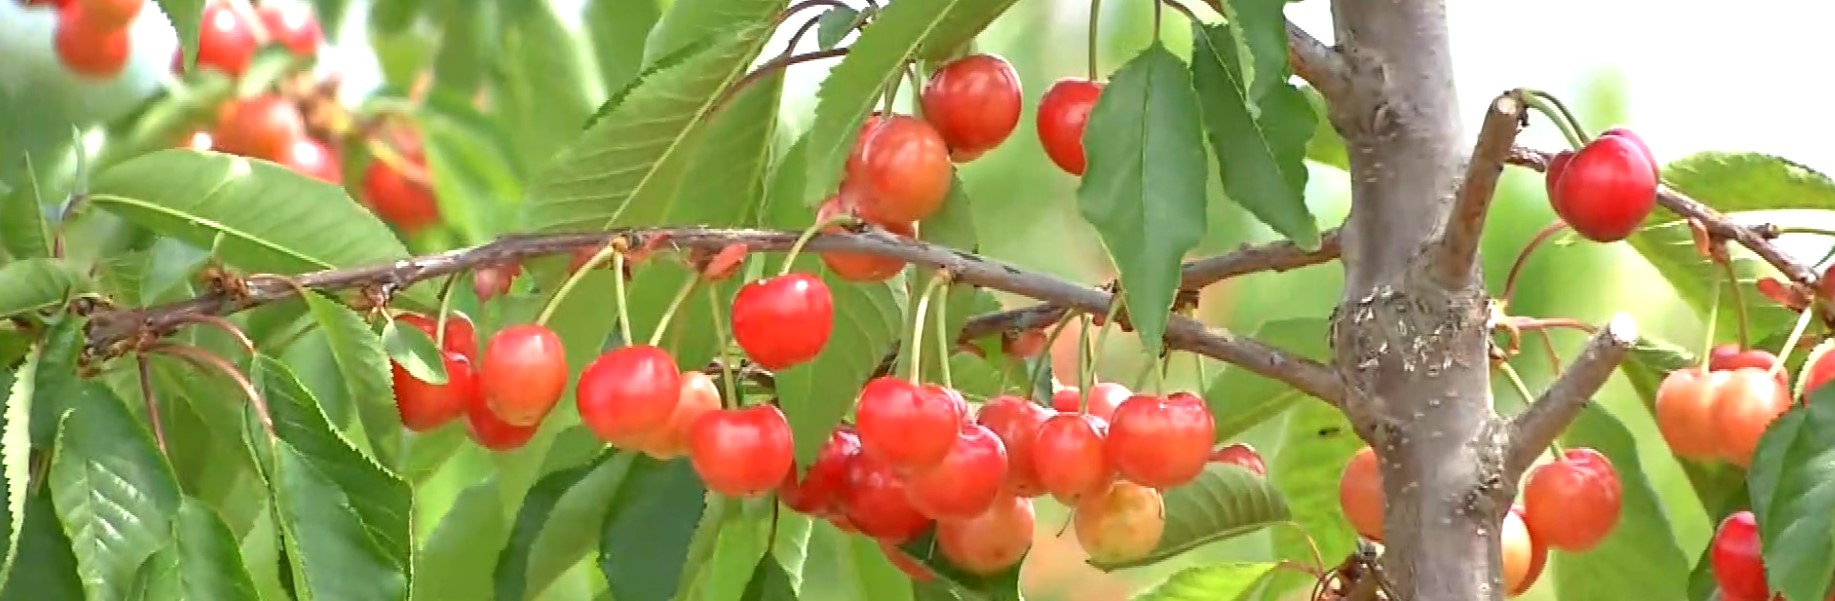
1411	344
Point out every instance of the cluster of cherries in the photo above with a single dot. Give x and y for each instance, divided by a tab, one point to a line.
1606	189
1569	504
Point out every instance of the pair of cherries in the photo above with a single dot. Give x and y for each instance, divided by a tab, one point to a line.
1718	412
423	406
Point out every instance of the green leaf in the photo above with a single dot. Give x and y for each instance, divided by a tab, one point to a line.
23	233
866	566
16	457
835	23
113	492
1326	147
548	538
769	582
46	568
201	562
414	351
476	169
1141	131
57	389
271	219
1225	501
618	29
186	17
1316	444
691	20
545	96
32	284
1793	493
1222	582
647	535
363	368
1242	399
960	25
1260	141
924	550
455	562
1640	559
625	168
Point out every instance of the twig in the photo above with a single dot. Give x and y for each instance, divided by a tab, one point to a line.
1459	245
1317	63
152	402
1532	430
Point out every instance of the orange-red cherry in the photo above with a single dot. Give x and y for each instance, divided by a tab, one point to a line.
820	491
1524	555
991	542
876	504
1685	412
627	395
742	452
89	46
905	169
903	425
293	26
403	202
226	41
1160	442
1103	399
524	373
1573	503
974	103
423	406
1607	188
1744	406
263	127
1064	110
1360	494
491	432
1241	454
783	321
1069	457
310	158
966	482
860	267
1017	421
699	397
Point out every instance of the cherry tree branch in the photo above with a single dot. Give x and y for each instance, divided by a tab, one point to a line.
1317	63
1459	244
1536	427
112	331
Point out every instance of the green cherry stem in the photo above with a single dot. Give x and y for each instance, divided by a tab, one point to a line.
803	240
1516	381
1094	36
1085	366
722	336
1707	346
1796	335
915	370
1806	230
610	250
1089	375
1739	299
940	287
439	321
1044	360
624	304
890	99
1556	111
662	323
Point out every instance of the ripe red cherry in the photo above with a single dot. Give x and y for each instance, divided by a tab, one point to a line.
860	267
226	42
1103	399
1122	523
293	26
989	543
461	335
88	46
524	373
627	394
699	396
1818	368
1241	454
1685	412
403	202
1738	563
1557	166
742	452
1360	494
905	170
1744	405
783	321
820	491
1607	189
491	432
855	155
1016	421
903	425
1727	357
424	406
1068	456
1573	503
1524	555
951	396
112	14
1160	443
876	503
974	102
966	482
308	157
1063	112
263	127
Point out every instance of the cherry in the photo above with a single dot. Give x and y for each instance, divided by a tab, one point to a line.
1069	457
1744	405
461	335
856	155
957	403
1607	189
1626	133
1122	523
403	202
1738	563
627	395
491	432
860	267
1241	454
1360	494
966	482
1572	503
699	396
742	452
1103	399
293	26
876	503
905	426
524	373
783	321
912	569
112	14
1063	112
1685	412
1557	166
820	490
226	41
1016	421
991	542
1160	443
1727	357
263	127
87	45
974	102
492	281
1818	368
1023	345
904	169
424	406
1524	554
308	157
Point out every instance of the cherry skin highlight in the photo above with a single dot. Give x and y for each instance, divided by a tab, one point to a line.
904	426
742	452
1064	110
1068	456
1017	422
1360	494
991	542
1122	523
1241	454
966	482
1685	412
310	158
1607	189
905	169
783	321
1738	563
699	396
627	395
226	41
424	406
1104	397
524	373
820	491
1160	443
1744	405
263	127
974	102
1573	503
876	503
860	267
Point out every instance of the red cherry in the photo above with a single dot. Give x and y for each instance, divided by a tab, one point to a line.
1069	459
1637	140
424	406
1524	555
492	281
1744	405
1103	399
860	267
1557	166
293	26
953	397
989	543
1607	189
876	503
904	563
1160	443
905	170
1063	112
742	452
1738	564
822	486
1573	503
405	203
491	432
1818	368
783	321
1017	421
1241	454
461	335
699	396
112	14
1360	494
903	425
88	46
524	373
1122	523
966	482
226	42
855	155
627	395
1727	357
263	127
1685	412
308	157
974	102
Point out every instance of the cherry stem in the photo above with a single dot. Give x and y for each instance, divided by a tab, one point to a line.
911	76
675	304
803	240
1085	366
940	287
1707	347
769	67
439	321
152	402
1796	335
1548	344
1806	230
219	323
726	352
1531	324
1141	379
1318	558
890	98
612	249
1094	36
1179	8
206	361
624	310
1044	366
1522	258
1739	296
915	370
1556	111
1516	382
